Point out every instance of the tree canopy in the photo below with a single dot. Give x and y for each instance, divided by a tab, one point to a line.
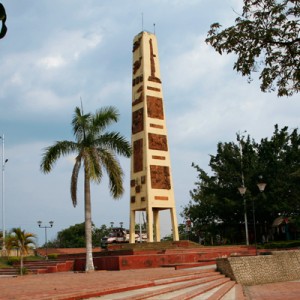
74	236
216	205
265	38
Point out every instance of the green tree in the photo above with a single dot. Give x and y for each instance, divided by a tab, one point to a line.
216	207
74	236
266	36
96	150
99	233
21	240
3	20
183	235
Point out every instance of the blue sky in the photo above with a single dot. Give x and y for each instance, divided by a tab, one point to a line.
58	52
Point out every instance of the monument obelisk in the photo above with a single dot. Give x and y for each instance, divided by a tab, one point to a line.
151	186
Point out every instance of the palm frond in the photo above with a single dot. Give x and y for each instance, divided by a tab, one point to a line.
80	123
114	171
20	239
53	153
104	117
74	179
92	164
115	142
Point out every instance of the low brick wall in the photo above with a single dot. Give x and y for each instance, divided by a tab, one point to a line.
253	270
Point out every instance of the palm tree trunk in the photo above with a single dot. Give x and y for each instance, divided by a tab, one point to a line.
89	266
21	264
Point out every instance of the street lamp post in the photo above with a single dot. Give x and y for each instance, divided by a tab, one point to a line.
261	186
254	226
4	161
46	227
242	191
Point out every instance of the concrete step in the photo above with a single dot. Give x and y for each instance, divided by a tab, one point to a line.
44	262
205	286
41	267
37	271
41	262
9	271
222	290
51	268
179	266
230	295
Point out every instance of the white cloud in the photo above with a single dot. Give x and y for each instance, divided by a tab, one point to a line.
52	62
68	46
44	101
196	63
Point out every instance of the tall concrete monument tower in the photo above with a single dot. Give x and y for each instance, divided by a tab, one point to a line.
151	179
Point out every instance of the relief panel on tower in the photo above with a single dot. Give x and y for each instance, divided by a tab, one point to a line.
138	155
157	142
137	44
137	80
155	107
138	121
136	65
152	77
160	177
139	99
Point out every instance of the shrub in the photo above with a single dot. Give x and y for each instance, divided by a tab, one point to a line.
52	256
281	245
24	271
13	260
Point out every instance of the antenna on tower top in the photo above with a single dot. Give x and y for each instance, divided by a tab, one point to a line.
142	21
154	27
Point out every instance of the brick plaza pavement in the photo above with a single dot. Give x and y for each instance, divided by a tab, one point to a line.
69	285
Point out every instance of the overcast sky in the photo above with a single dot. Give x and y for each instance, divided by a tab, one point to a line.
60	51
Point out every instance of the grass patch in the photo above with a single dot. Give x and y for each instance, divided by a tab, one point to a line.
4	263
53	256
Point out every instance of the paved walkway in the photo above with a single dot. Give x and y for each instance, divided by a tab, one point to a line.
274	291
58	286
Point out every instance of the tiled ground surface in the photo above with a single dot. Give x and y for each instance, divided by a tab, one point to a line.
70	285
75	285
274	291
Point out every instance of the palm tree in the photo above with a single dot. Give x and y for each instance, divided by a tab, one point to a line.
21	240
96	150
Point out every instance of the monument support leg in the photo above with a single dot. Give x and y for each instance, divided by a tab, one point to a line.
150	224
156	224
132	227
174	224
